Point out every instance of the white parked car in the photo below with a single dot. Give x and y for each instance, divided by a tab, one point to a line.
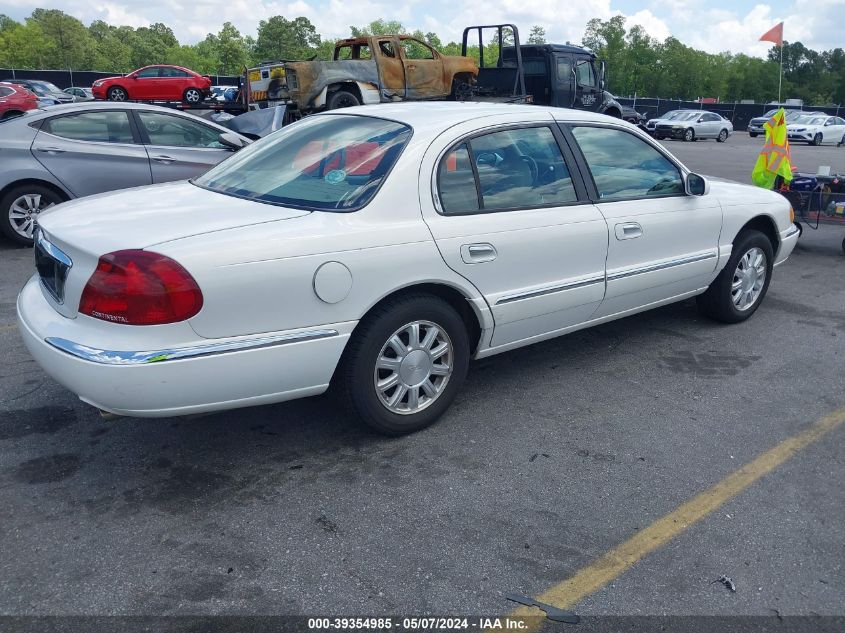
817	129
693	125
380	249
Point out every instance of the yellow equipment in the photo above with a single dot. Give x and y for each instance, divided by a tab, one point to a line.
774	160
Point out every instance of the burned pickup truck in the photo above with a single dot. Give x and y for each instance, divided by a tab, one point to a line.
364	70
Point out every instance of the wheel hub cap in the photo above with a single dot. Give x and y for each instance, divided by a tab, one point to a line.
24	211
749	279
413	367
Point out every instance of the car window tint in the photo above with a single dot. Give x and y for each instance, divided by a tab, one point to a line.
148	73
173	72
625	166
104	127
177	131
325	163
5	92
564	69
517	169
456	182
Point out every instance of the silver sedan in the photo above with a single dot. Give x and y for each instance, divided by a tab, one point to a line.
693	125
75	150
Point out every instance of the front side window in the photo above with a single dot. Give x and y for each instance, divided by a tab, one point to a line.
584	73
324	163
625	166
177	131
414	49
148	73
102	127
514	169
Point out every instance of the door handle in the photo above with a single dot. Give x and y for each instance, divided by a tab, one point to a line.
163	159
51	150
478	253
411	67
628	231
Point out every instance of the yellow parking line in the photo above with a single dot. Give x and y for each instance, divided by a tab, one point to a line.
613	563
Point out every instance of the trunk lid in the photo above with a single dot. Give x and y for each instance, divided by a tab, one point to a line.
83	230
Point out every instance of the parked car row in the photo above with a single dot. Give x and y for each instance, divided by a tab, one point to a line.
15	99
68	151
690	125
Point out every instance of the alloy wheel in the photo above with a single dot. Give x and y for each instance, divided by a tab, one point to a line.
413	367
23	213
117	94
749	279
192	95
689	135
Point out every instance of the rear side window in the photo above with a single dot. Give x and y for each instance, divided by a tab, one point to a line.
176	131
101	127
625	166
5	92
510	169
327	163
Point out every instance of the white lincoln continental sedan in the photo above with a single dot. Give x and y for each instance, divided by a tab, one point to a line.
378	249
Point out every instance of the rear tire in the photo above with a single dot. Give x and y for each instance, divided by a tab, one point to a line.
192	96
116	93
19	210
342	99
723	136
10	114
729	297
461	89
373	372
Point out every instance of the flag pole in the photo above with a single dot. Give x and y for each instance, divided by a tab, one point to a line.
780	76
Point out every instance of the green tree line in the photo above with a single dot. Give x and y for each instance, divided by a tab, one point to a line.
637	63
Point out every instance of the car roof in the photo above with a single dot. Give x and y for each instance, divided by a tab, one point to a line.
449	113
92	106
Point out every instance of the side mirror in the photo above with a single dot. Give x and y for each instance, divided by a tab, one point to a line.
700	119
696	185
232	141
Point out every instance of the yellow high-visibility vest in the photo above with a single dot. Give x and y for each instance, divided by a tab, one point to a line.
774	160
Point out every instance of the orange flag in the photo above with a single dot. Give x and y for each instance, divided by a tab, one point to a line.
774	35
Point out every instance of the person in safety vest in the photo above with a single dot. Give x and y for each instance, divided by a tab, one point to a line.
774	160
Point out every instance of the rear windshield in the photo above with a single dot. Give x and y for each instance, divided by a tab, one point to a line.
324	163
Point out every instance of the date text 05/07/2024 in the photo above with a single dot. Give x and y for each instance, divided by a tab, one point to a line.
434	624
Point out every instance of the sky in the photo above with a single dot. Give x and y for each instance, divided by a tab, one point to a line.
710	25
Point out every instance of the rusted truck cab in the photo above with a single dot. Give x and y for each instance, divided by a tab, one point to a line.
376	69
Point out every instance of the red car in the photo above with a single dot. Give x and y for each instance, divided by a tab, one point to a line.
15	100
155	83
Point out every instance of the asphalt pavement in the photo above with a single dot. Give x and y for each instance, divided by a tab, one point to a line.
551	456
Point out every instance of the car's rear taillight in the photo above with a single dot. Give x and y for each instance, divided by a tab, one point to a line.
140	288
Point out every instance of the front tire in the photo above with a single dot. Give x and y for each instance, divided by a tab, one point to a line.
742	285
19	210
689	135
752	134
817	139
404	364
116	93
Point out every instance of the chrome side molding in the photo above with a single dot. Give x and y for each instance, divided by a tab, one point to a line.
550	290
112	357
663	266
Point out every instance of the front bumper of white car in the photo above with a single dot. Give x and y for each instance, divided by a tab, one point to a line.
203	375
